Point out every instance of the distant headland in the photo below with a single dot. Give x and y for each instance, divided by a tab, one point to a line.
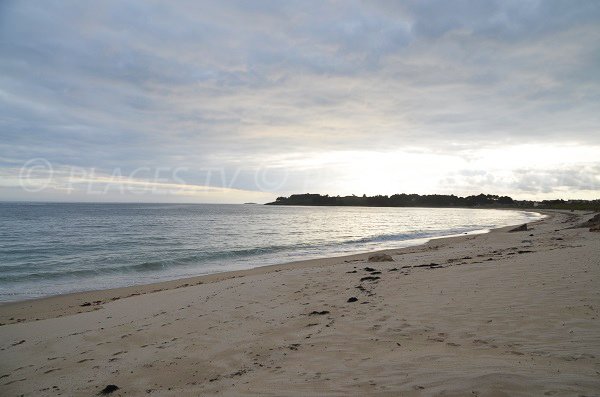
433	200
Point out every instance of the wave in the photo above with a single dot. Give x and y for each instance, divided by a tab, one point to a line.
417	235
217	256
148	266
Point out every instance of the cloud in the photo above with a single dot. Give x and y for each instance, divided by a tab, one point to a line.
581	181
236	85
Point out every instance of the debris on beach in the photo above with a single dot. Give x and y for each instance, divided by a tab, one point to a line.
380	258
430	265
522	228
369	278
109	389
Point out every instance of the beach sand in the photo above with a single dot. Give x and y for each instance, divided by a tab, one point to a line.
501	314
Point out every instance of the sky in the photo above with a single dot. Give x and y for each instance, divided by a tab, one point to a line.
244	101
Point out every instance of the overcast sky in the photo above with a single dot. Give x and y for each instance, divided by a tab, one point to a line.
232	101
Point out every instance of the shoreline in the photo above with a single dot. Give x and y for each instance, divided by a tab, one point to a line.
142	279
491	314
41	308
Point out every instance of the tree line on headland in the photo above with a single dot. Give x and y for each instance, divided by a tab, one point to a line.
432	200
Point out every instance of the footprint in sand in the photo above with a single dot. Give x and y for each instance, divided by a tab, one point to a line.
15	381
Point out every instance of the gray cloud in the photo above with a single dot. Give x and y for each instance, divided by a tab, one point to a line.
226	84
564	182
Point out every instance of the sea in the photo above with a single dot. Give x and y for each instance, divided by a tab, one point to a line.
56	248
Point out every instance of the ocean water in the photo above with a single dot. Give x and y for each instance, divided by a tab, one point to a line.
49	249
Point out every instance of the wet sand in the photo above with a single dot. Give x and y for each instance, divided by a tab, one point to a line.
497	314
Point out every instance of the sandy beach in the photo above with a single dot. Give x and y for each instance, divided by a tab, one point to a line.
496	314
